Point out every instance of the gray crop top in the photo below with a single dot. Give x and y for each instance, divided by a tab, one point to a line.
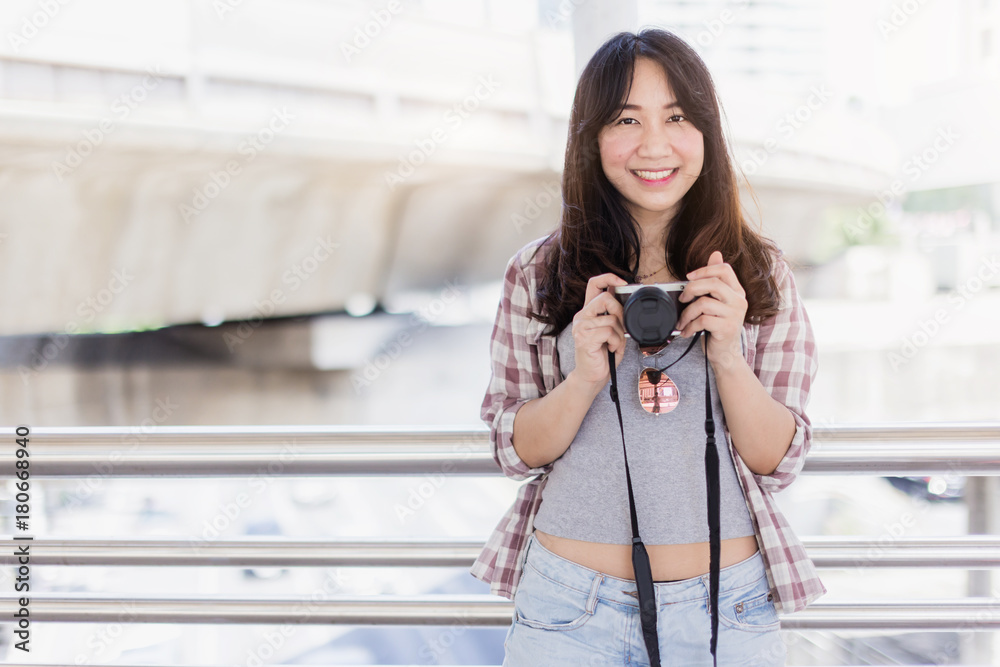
586	497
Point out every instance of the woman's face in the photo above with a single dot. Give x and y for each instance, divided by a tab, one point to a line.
650	138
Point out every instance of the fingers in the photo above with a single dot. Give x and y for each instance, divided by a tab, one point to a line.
714	286
598	327
716	268
615	338
723	345
723	309
711	323
711	315
703	307
597	284
604	303
592	332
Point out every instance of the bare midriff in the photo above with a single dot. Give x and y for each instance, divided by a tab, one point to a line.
668	562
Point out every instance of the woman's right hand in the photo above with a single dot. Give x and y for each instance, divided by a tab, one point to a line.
597	328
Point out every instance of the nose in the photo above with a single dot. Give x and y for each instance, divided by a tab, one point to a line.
655	141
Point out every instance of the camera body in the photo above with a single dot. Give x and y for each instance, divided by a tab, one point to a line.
651	311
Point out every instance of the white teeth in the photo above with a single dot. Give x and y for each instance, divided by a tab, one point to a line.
655	175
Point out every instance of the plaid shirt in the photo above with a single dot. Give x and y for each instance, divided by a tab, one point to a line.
525	366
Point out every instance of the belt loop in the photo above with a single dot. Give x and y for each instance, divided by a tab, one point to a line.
592	600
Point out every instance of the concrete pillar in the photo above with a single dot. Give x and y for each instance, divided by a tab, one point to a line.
596	20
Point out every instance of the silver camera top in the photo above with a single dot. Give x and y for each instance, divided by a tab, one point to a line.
623	292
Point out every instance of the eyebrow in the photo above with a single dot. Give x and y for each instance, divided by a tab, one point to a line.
636	107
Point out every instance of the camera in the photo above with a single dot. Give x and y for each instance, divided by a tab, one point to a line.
651	311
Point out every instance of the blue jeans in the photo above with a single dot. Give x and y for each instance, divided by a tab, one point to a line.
568	614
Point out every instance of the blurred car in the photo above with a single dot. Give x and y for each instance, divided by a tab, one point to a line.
932	487
264	527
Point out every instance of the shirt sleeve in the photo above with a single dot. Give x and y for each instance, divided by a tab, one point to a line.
516	372
785	363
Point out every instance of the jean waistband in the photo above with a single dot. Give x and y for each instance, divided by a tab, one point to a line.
616	589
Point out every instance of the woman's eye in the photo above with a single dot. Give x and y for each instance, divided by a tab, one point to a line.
675	118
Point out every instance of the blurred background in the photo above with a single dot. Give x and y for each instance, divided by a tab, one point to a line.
263	212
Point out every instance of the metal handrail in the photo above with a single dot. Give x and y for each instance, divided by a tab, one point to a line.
187	451
407	435
970	448
468	610
967	551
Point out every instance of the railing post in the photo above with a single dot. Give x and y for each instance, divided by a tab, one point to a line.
982	495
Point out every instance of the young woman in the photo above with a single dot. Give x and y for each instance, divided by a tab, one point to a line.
649	196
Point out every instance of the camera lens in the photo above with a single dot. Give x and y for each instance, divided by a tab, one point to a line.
650	316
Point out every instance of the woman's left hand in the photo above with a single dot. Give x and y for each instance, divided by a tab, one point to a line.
719	311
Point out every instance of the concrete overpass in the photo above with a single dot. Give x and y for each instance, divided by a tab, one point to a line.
178	164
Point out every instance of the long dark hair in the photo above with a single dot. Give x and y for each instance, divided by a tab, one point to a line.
597	234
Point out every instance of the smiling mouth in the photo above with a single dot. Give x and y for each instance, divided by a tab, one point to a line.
654	176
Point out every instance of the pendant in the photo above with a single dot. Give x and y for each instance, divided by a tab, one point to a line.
657	392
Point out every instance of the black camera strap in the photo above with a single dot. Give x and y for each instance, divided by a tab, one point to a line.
640	559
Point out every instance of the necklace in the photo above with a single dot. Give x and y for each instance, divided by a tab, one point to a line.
651	274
